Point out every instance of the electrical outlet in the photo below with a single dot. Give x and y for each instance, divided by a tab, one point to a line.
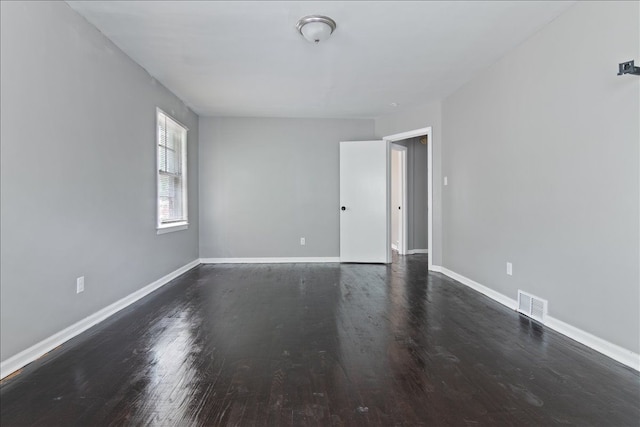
509	269
80	284
302	241
446	181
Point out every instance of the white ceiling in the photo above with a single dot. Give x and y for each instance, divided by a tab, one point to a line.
237	58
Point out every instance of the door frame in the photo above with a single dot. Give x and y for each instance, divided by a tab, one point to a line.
404	233
398	137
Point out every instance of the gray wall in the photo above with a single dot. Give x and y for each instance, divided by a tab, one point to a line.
417	117
417	190
264	183
542	156
78	174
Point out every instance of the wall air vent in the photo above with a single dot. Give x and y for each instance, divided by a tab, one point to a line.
532	306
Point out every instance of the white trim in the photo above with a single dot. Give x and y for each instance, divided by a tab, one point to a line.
389	259
32	353
171	228
269	260
412	134
394	246
406	135
497	296
430	198
171	115
614	351
405	201
621	354
436	268
417	251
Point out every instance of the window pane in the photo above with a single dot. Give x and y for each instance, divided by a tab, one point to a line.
168	160
171	147
170	198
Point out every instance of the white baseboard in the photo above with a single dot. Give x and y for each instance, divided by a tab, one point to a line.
436	268
502	299
32	353
614	351
417	251
268	260
620	354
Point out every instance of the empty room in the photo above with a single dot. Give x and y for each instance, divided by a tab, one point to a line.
287	213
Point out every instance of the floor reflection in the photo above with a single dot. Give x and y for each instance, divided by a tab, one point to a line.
320	344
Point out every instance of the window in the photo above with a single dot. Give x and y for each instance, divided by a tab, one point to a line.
172	174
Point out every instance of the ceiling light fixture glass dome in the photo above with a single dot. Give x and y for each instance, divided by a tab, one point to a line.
316	28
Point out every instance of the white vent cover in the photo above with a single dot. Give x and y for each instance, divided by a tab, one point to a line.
532	306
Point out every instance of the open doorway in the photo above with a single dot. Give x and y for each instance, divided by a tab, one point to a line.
418	201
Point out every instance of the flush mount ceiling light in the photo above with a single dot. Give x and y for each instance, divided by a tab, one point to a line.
316	28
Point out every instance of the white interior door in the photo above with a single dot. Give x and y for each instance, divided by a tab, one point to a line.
396	196
364	201
399	223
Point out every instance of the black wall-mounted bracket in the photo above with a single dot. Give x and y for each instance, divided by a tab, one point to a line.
628	68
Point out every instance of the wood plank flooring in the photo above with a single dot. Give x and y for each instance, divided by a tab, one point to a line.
320	345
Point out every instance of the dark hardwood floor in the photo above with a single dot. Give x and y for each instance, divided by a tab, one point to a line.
320	345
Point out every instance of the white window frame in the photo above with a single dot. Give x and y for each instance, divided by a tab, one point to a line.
182	224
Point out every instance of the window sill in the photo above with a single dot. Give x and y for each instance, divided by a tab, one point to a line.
173	227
